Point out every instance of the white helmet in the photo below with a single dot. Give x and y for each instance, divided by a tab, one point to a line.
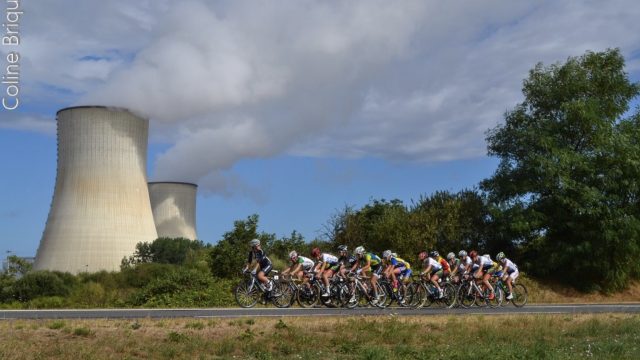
386	254
359	250
293	254
394	254
254	242
451	256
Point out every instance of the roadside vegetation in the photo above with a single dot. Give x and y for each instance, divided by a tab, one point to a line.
605	336
563	204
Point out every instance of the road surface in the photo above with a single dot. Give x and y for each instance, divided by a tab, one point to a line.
274	312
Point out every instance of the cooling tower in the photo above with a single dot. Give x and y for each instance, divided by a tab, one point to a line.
100	208
174	209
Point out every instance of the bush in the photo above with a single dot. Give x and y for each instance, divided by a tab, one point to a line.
43	283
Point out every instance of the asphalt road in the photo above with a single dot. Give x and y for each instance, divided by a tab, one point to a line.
274	312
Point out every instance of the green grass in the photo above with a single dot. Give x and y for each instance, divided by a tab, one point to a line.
602	336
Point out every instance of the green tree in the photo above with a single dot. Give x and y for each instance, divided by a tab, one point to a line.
568	172
229	255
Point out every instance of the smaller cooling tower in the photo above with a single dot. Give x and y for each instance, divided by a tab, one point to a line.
174	209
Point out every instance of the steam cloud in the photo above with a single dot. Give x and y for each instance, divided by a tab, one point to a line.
410	80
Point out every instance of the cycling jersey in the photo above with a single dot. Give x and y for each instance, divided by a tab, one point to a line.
435	266
484	262
509	266
260	257
400	263
444	263
329	259
307	264
369	257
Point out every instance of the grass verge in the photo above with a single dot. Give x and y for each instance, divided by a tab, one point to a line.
599	336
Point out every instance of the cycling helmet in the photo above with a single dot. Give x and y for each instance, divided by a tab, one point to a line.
315	252
293	255
386	254
343	248
359	250
462	253
473	253
434	254
254	242
394	254
500	256
422	255
451	256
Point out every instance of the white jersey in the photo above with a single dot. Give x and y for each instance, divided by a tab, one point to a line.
462	267
328	258
435	266
307	264
509	266
485	261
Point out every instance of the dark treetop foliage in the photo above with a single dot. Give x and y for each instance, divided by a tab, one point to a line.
569	172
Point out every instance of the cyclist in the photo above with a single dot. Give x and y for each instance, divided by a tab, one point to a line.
396	267
326	262
369	262
263	264
345	261
510	272
446	269
433	268
299	264
454	265
486	267
466	264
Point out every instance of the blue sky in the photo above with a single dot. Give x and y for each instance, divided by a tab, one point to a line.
288	109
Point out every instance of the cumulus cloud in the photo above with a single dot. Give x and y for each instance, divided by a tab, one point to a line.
229	80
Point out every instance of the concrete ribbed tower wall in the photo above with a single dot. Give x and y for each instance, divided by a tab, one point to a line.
174	209
101	207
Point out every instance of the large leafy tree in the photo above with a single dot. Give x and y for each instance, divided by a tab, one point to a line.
569	172
229	255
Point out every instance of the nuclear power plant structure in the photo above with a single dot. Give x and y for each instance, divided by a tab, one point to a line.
101	207
174	209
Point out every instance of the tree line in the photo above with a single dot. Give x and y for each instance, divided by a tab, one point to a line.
563	203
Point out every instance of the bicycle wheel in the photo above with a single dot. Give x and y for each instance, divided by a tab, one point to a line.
449	297
415	289
382	297
404	296
497	298
520	295
244	297
282	295
466	296
388	292
308	295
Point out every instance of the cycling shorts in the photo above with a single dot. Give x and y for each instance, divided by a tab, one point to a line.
376	270
266	270
437	272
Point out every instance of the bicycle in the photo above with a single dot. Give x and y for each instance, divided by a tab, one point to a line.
401	295
250	290
362	294
470	293
520	293
426	293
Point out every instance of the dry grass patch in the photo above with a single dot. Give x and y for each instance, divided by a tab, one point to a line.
526	336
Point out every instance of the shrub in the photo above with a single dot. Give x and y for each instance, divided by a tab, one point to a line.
43	283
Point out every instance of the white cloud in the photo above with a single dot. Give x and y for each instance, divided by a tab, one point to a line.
228	80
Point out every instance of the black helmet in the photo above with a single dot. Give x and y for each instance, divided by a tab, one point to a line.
434	254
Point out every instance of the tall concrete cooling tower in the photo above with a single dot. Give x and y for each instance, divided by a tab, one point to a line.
174	209
101	207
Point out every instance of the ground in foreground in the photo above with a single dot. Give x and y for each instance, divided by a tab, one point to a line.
435	337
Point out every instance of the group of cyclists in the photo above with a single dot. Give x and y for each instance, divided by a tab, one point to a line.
324	266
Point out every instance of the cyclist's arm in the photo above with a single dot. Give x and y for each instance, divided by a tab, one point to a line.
367	266
427	270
